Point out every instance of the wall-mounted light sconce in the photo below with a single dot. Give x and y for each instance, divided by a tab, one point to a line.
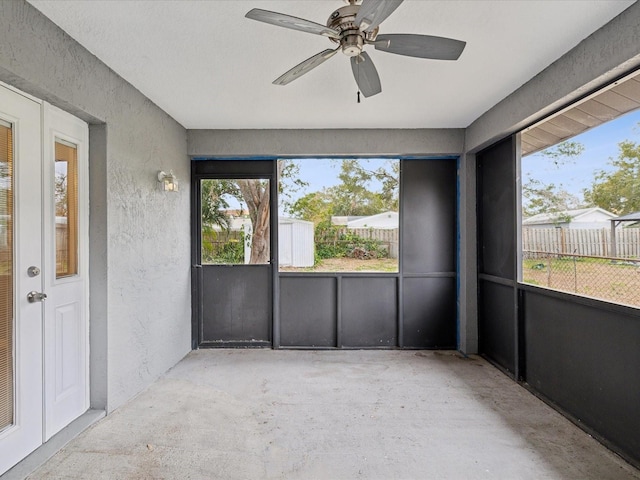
167	182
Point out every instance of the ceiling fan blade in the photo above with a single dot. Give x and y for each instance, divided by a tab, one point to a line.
305	67
373	12
421	46
366	75
295	23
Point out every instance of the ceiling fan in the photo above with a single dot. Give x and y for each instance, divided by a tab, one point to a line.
354	26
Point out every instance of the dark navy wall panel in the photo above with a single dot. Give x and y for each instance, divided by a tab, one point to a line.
497	322
497	329
369	314
428	216
429	312
308	311
496	210
428	233
232	168
586	359
236	304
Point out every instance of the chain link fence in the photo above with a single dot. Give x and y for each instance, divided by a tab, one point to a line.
613	279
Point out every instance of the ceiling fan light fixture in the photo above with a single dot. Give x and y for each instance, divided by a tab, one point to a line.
352	44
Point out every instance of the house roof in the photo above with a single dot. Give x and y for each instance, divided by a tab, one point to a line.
630	217
209	67
380	220
344	219
294	220
571	215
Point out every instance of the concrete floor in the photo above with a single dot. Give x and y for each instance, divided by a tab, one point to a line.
264	414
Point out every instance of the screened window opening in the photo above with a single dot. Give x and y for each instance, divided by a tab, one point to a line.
581	198
6	276
66	206
235	221
338	215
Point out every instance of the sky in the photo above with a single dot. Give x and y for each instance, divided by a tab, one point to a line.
600	145
323	172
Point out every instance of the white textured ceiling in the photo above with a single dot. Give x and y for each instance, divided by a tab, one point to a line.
209	67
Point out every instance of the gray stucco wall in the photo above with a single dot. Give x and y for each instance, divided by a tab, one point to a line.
140	274
605	55
239	143
468	262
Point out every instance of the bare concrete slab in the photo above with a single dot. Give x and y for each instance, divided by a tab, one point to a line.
264	414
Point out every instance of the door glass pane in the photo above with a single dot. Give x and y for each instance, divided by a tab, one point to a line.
6	275
235	221
66	201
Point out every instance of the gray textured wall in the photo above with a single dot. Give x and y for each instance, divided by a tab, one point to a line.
238	143
140	276
467	260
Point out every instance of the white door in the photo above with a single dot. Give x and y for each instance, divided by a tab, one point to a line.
21	321
65	272
43	251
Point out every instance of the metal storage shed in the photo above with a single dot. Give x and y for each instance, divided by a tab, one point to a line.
295	243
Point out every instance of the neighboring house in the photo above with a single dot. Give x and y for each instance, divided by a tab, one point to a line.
235	223
595	217
384	221
343	219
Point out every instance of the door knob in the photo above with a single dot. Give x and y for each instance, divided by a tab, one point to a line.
36	297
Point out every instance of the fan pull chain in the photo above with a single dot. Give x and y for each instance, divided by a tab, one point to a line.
358	96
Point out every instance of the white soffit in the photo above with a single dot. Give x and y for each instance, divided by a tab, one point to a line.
209	67
622	96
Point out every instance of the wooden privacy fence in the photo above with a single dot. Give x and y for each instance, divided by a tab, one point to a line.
591	242
387	238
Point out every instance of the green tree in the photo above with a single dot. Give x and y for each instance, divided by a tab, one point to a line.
256	195
314	207
355	196
389	176
619	190
563	153
215	202
553	199
289	182
60	194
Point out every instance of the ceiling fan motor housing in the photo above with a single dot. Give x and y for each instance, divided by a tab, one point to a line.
352	39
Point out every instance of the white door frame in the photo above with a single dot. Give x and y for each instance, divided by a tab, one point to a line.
66	327
51	338
25	434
